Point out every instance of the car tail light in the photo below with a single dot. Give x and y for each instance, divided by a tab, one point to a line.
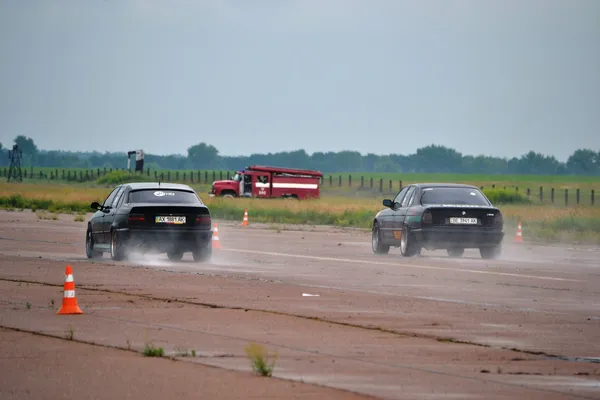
136	218
427	217
203	220
498	219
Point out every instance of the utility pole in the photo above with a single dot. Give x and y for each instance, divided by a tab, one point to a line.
15	171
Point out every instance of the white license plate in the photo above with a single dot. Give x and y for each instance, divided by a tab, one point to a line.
170	220
464	221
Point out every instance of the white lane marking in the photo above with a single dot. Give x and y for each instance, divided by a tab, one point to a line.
355	261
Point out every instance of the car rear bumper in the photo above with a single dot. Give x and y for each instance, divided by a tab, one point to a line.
166	239
465	238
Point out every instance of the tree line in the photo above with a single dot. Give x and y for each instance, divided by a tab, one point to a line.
428	159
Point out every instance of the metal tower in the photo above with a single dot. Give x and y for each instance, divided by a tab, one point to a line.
15	171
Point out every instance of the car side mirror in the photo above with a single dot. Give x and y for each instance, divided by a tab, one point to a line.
95	206
388	203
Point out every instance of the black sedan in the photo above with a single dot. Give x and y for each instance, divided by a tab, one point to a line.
439	216
161	217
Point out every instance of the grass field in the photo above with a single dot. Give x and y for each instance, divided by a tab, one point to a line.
574	224
562	189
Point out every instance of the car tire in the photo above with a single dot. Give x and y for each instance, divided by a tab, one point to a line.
455	252
409	247
490	253
117	247
376	245
175	255
89	245
203	253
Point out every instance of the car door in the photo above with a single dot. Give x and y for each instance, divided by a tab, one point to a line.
102	234
389	216
109	217
400	214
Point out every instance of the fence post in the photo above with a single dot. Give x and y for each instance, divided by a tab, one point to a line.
517	189
371	182
362	182
205	176
340	181
330	180
541	194
176	175
184	176
400	185
528	192
390	185
566	197
349	180
592	196
168	176
577	195
552	195
380	185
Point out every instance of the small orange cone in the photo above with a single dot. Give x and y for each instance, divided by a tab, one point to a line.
245	221
69	302
519	236
216	243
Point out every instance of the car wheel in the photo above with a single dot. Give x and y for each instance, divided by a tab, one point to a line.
376	245
175	255
117	247
203	253
408	245
89	245
490	253
455	252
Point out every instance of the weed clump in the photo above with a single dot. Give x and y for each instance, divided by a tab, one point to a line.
151	351
260	359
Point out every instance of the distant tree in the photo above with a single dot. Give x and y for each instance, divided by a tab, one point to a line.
584	162
348	161
26	145
203	156
435	158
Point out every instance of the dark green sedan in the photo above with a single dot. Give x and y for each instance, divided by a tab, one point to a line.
434	216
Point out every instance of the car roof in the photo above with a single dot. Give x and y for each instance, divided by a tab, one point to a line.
158	185
454	185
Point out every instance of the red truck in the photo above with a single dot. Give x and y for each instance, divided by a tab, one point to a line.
269	182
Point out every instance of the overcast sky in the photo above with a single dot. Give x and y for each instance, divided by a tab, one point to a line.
481	76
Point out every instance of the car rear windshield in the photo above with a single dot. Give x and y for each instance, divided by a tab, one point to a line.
163	196
452	195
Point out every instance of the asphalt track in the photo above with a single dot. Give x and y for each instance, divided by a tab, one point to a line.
526	326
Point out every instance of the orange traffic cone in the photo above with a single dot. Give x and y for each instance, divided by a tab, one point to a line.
216	243
519	235
69	302
245	221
